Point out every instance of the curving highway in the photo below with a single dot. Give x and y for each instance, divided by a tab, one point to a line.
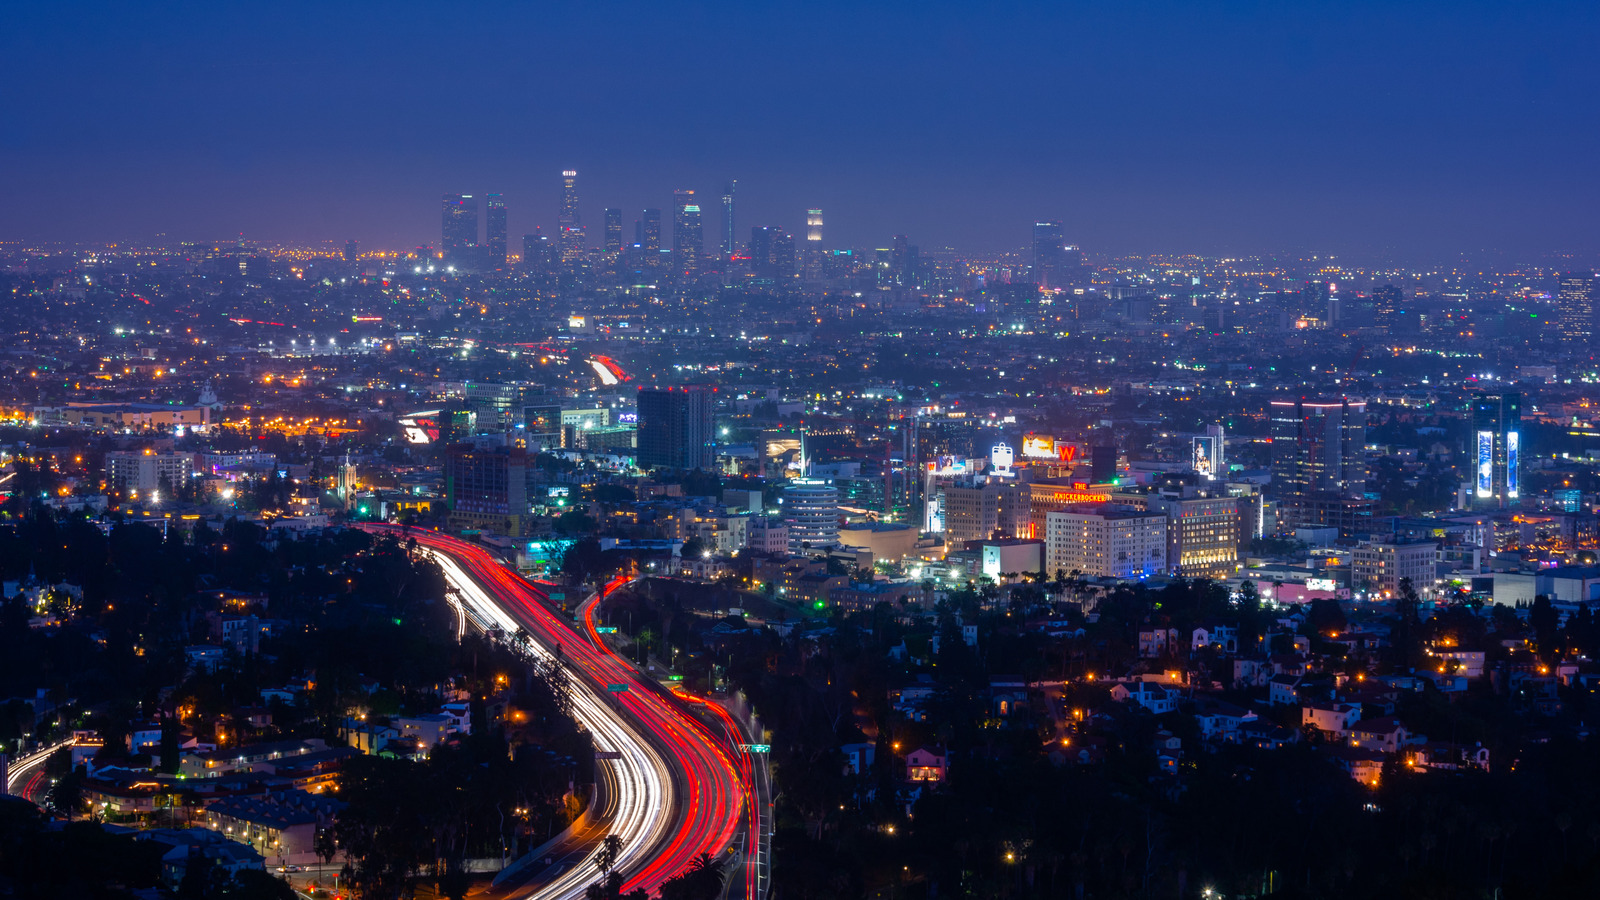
674	790
25	776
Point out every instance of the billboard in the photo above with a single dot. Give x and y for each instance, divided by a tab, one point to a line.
1485	464
1202	455
1039	446
1512	488
421	427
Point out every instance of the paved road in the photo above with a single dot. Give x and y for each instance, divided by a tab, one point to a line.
679	791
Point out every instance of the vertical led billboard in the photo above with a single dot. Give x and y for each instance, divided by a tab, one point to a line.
1485	464
1512	487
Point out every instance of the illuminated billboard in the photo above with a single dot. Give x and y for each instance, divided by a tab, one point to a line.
1512	488
1485	464
1039	446
1203	455
421	427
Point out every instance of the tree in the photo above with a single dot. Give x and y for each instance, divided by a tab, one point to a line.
610	851
67	793
701	881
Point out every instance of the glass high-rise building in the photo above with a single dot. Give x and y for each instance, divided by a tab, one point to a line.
460	229
1318	458
728	243
1575	311
1386	303
814	228
677	427
613	231
569	230
568	214
688	236
650	236
1049	263
494	239
1497	448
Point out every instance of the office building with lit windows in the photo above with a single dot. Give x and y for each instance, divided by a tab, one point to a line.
1106	541
811	513
1575	311
677	427
460	230
688	238
487	488
1318	457
494	239
1497	449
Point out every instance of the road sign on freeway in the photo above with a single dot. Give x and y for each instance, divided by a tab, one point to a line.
617	688
755	748
607	629
607	754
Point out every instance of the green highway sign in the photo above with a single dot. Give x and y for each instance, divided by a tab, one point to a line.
607	629
617	688
755	748
674	677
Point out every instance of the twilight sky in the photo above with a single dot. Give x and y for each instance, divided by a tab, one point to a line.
1416	127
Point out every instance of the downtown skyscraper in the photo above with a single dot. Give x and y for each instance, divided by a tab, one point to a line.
729	244
460	230
1049	255
1575	312
650	236
688	237
494	241
569	223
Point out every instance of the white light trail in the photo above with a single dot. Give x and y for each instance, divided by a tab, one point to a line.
643	779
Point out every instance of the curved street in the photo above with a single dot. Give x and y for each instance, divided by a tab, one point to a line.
678	792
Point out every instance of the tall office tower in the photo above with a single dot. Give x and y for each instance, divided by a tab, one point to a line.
1318	456
728	243
1314	298
650	237
814	228
760	250
677	427
613	231
811	511
487	488
1102	464
352	249
1497	438
899	257
537	253
568	214
460	229
783	256
1386	302
688	239
1575	311
1048	253
494	238
569	225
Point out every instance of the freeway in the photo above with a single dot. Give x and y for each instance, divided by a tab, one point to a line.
751	849
675	791
25	775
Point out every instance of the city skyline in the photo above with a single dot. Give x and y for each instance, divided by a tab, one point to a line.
1419	129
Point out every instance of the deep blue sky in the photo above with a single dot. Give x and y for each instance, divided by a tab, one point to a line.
1427	127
